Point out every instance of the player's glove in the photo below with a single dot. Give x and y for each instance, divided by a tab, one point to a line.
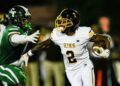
100	52
24	58
33	38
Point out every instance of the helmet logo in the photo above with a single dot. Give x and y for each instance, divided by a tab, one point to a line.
12	11
74	15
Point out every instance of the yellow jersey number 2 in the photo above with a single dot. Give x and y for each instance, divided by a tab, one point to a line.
71	57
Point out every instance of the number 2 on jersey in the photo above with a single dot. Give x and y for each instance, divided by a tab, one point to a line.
71	57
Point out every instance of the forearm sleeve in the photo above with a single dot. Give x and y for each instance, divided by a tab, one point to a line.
41	46
101	38
18	39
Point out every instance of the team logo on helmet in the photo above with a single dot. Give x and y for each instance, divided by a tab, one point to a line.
20	16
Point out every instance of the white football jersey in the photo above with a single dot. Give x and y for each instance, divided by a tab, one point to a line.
2	29
73	48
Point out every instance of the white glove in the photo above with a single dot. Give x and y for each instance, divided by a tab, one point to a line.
24	60
33	38
102	52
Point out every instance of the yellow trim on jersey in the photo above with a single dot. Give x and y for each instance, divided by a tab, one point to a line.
91	33
11	33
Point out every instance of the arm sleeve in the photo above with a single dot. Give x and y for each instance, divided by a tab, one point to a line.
55	36
91	34
14	30
15	36
18	39
41	46
101	39
86	32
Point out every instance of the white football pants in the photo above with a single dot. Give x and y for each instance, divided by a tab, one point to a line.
84	76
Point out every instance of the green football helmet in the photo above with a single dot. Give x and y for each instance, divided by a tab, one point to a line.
20	16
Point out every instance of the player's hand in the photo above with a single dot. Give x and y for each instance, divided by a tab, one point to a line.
24	59
99	51
34	37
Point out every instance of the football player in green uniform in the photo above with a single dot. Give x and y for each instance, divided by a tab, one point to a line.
13	42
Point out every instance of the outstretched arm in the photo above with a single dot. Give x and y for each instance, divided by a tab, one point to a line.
24	58
41	46
101	38
16	39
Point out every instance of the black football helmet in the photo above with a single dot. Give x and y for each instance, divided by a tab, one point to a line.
69	19
20	16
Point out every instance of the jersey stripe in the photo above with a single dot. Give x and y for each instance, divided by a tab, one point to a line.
11	72
5	75
91	33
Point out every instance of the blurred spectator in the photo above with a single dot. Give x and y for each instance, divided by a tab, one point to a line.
103	27
32	74
104	24
116	59
54	66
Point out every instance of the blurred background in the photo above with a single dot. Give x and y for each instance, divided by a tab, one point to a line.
46	68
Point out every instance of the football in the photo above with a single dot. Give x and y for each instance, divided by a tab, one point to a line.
98	44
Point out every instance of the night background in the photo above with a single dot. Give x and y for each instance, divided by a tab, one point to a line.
90	10
44	12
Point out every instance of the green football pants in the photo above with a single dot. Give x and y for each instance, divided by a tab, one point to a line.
12	75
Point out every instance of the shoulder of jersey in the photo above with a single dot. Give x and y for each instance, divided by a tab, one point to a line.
56	32
84	28
13	28
55	35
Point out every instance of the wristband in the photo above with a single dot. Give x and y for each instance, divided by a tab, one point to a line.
30	53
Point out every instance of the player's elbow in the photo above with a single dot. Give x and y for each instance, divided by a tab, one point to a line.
107	42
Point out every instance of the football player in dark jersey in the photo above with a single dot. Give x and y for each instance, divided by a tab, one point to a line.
12	44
